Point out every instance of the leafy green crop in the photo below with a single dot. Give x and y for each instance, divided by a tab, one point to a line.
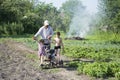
99	69
96	69
106	60
117	75
104	55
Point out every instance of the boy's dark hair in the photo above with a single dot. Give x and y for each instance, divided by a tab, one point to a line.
41	40
58	33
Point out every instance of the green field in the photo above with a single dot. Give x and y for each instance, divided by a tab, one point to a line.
104	54
106	57
98	55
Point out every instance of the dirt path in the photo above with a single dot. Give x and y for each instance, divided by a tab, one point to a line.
14	65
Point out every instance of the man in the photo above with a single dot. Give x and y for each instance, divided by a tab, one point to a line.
45	32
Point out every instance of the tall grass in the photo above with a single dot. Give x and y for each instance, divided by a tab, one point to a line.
105	36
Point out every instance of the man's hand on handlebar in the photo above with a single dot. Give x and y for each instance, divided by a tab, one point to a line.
49	37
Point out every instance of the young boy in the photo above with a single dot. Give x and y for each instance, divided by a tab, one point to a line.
58	44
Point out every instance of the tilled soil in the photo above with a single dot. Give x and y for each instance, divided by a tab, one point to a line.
14	65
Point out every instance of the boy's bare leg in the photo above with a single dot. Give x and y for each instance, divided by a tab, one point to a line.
44	58
55	51
41	60
58	53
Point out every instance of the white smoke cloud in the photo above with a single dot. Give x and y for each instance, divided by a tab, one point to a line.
80	24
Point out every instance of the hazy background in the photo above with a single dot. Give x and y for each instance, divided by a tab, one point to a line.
82	17
90	4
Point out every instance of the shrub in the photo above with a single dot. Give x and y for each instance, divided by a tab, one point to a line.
12	28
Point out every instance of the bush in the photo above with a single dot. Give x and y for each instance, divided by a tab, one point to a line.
12	28
31	23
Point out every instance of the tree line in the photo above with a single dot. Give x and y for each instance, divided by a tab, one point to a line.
25	16
109	12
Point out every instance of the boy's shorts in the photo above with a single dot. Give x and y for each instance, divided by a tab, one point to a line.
57	47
